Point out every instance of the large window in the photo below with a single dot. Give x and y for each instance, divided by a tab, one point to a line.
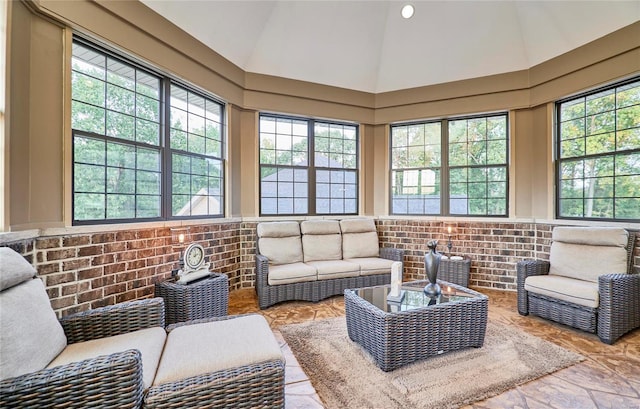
467	177
598	136
122	169
295	182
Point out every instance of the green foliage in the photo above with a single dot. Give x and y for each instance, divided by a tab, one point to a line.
124	180
602	133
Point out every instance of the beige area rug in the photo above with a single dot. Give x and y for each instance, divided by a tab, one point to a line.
345	376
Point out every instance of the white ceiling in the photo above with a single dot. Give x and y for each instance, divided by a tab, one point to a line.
368	46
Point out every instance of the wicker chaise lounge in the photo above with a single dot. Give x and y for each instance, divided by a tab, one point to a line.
317	259
587	283
122	357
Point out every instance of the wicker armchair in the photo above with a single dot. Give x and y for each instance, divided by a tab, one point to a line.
588	283
125	357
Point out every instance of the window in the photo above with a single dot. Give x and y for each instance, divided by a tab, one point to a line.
294	182
598	167
473	167
120	163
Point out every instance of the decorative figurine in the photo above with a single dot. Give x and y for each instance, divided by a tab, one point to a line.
431	264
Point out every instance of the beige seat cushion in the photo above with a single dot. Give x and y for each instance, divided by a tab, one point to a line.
280	242
200	349
372	265
579	292
335	269
30	334
291	273
321	240
149	342
359	238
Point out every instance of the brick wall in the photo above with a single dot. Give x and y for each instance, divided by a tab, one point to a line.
86	271
83	271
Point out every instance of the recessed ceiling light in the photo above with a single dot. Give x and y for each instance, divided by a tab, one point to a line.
407	11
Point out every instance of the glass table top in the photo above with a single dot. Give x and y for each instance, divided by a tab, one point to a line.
414	296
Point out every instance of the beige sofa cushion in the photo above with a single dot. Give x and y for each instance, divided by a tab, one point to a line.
321	240
14	269
359	238
30	334
291	273
149	342
372	265
216	346
335	269
280	242
563	288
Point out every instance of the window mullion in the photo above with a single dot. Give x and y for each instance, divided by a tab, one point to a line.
444	167
165	144
311	168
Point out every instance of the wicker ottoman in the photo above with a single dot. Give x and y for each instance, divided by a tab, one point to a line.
202	299
417	328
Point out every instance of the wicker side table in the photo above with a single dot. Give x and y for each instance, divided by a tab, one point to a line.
455	271
205	298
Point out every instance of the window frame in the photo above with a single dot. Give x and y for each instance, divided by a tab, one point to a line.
613	154
445	165
311	168
163	147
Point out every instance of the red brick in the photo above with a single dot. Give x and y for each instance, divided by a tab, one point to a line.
103	259
90	273
90	250
89	296
115	268
115	247
128	296
103	238
76	264
58	303
52	255
47	243
44	269
60	278
74	241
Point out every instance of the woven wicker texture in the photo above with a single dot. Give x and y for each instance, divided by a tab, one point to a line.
455	271
202	299
617	314
395	339
113	320
315	290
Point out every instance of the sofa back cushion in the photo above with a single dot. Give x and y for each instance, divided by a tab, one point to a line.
321	240
588	252
280	242
359	238
30	334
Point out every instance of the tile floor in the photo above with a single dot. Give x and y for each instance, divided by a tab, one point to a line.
608	378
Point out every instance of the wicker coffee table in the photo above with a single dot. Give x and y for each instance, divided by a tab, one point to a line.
419	327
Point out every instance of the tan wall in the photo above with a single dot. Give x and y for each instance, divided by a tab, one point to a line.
38	41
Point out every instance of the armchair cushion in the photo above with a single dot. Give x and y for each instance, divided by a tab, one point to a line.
15	269
321	240
586	253
148	341
280	242
30	334
216	346
579	292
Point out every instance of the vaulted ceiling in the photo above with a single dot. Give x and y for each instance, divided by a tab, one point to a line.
368	46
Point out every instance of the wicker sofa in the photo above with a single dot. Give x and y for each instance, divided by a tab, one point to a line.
122	357
316	259
587	283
